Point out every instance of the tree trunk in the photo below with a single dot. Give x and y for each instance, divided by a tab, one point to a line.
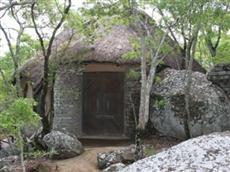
139	151
146	86
46	54
21	151
18	83
187	115
142	114
42	109
190	52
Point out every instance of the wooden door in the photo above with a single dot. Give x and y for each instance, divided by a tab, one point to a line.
103	103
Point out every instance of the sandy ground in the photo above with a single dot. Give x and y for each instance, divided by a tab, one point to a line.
87	162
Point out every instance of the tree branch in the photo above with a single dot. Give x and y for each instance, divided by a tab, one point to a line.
12	4
58	26
218	38
169	28
7	40
36	29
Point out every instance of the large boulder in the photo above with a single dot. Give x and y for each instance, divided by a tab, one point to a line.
209	106
204	153
62	146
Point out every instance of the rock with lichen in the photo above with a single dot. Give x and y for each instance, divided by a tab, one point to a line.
62	146
204	153
209	106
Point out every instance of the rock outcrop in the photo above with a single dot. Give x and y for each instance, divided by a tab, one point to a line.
62	146
204	153
220	75
209	106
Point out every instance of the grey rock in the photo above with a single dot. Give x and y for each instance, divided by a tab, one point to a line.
124	155
114	167
220	75
9	150
6	142
106	159
29	131
8	161
205	153
209	106
62	146
128	154
6	169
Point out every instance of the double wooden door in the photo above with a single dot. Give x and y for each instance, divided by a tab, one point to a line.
103	103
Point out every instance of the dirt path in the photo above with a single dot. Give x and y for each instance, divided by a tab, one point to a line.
86	162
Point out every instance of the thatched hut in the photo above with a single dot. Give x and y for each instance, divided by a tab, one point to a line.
94	93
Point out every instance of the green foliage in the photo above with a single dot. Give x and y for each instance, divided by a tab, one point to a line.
18	114
52	153
222	56
29	46
36	154
157	79
206	16
6	65
96	19
149	151
48	12
135	43
132	74
130	55
223	51
135	53
159	103
203	55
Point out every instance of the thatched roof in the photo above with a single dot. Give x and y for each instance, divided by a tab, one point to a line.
70	47
108	48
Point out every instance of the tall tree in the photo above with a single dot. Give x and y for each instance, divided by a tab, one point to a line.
150	59
46	52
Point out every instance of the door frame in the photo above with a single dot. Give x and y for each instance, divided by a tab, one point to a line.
113	69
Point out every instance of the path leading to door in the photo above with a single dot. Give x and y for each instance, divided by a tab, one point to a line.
86	162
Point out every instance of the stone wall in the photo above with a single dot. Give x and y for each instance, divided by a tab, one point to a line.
220	75
68	100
